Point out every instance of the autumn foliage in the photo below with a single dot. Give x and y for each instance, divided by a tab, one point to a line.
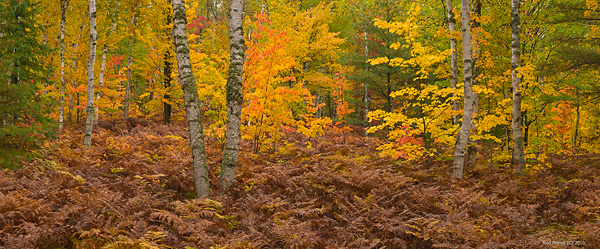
350	117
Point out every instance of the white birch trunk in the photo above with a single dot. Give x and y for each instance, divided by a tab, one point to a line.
453	58
472	147
63	19
190	94
73	97
87	136
234	94
460	149
102	69
517	120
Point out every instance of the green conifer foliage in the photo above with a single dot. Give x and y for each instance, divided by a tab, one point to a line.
23	123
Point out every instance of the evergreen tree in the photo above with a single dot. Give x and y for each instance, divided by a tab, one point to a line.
23	124
367	42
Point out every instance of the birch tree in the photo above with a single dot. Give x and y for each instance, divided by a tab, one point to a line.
87	136
234	93
63	20
515	23
453	58
191	102
472	148
103	67
460	149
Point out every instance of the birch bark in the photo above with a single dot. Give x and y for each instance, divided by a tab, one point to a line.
472	147
460	149
517	120
191	102
102	69
453	58
63	19
87	136
234	94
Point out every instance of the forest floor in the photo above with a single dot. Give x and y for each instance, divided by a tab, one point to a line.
133	189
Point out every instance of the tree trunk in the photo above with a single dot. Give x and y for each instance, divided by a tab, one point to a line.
577	120
100	82
366	99
453	58
472	147
460	149
234	93
167	74
129	70
190	94
72	96
49	70
75	96
63	19
78	111
518	148
390	107
167	85
491	155
127	87
330	107
102	69
526	126
317	101
87	137
207	10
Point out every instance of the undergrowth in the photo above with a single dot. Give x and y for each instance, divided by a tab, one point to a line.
133	189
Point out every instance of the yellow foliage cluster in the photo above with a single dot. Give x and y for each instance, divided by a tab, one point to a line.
313	127
539	165
413	135
424	57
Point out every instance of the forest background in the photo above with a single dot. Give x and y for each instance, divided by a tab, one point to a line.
311	65
332	72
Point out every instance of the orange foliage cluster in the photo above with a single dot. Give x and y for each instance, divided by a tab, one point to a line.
132	189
